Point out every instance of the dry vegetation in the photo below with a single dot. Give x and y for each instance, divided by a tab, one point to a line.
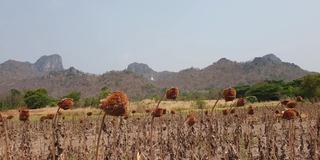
183	132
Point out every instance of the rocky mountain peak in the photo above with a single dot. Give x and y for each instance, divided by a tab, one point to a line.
49	63
269	58
139	68
223	61
142	69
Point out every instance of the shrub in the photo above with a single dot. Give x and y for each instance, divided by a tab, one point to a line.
37	98
265	91
252	99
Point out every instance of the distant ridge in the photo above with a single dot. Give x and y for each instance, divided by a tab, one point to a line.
139	79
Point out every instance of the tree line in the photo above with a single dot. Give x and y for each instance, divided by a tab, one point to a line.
307	87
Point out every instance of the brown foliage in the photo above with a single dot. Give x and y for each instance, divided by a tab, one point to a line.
229	94
115	104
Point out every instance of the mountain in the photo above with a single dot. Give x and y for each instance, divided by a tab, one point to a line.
12	71
49	63
138	79
143	70
224	73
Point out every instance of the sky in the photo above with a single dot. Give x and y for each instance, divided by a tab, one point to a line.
96	36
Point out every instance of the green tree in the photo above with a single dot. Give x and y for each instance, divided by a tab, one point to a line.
242	89
310	86
37	98
265	91
74	95
91	101
104	92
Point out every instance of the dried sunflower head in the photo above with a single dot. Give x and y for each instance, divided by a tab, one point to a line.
158	112
24	115
284	102
250	110
172	93
50	116
225	112
241	102
291	104
299	99
229	94
89	114
10	117
191	120
65	103
290	114
115	104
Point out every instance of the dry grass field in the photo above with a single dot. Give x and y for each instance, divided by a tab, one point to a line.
263	134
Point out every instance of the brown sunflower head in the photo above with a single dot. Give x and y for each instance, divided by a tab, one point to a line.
250	110
290	114
115	104
133	111
65	103
148	110
191	120
43	118
225	112
232	111
24	115
172	93
50	116
299	99
284	102
89	114
164	111
173	112
158	112
10	117
229	94
291	104
241	102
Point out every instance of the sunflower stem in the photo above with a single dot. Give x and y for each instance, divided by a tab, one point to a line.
99	136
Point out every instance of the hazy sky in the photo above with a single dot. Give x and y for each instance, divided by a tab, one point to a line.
98	36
